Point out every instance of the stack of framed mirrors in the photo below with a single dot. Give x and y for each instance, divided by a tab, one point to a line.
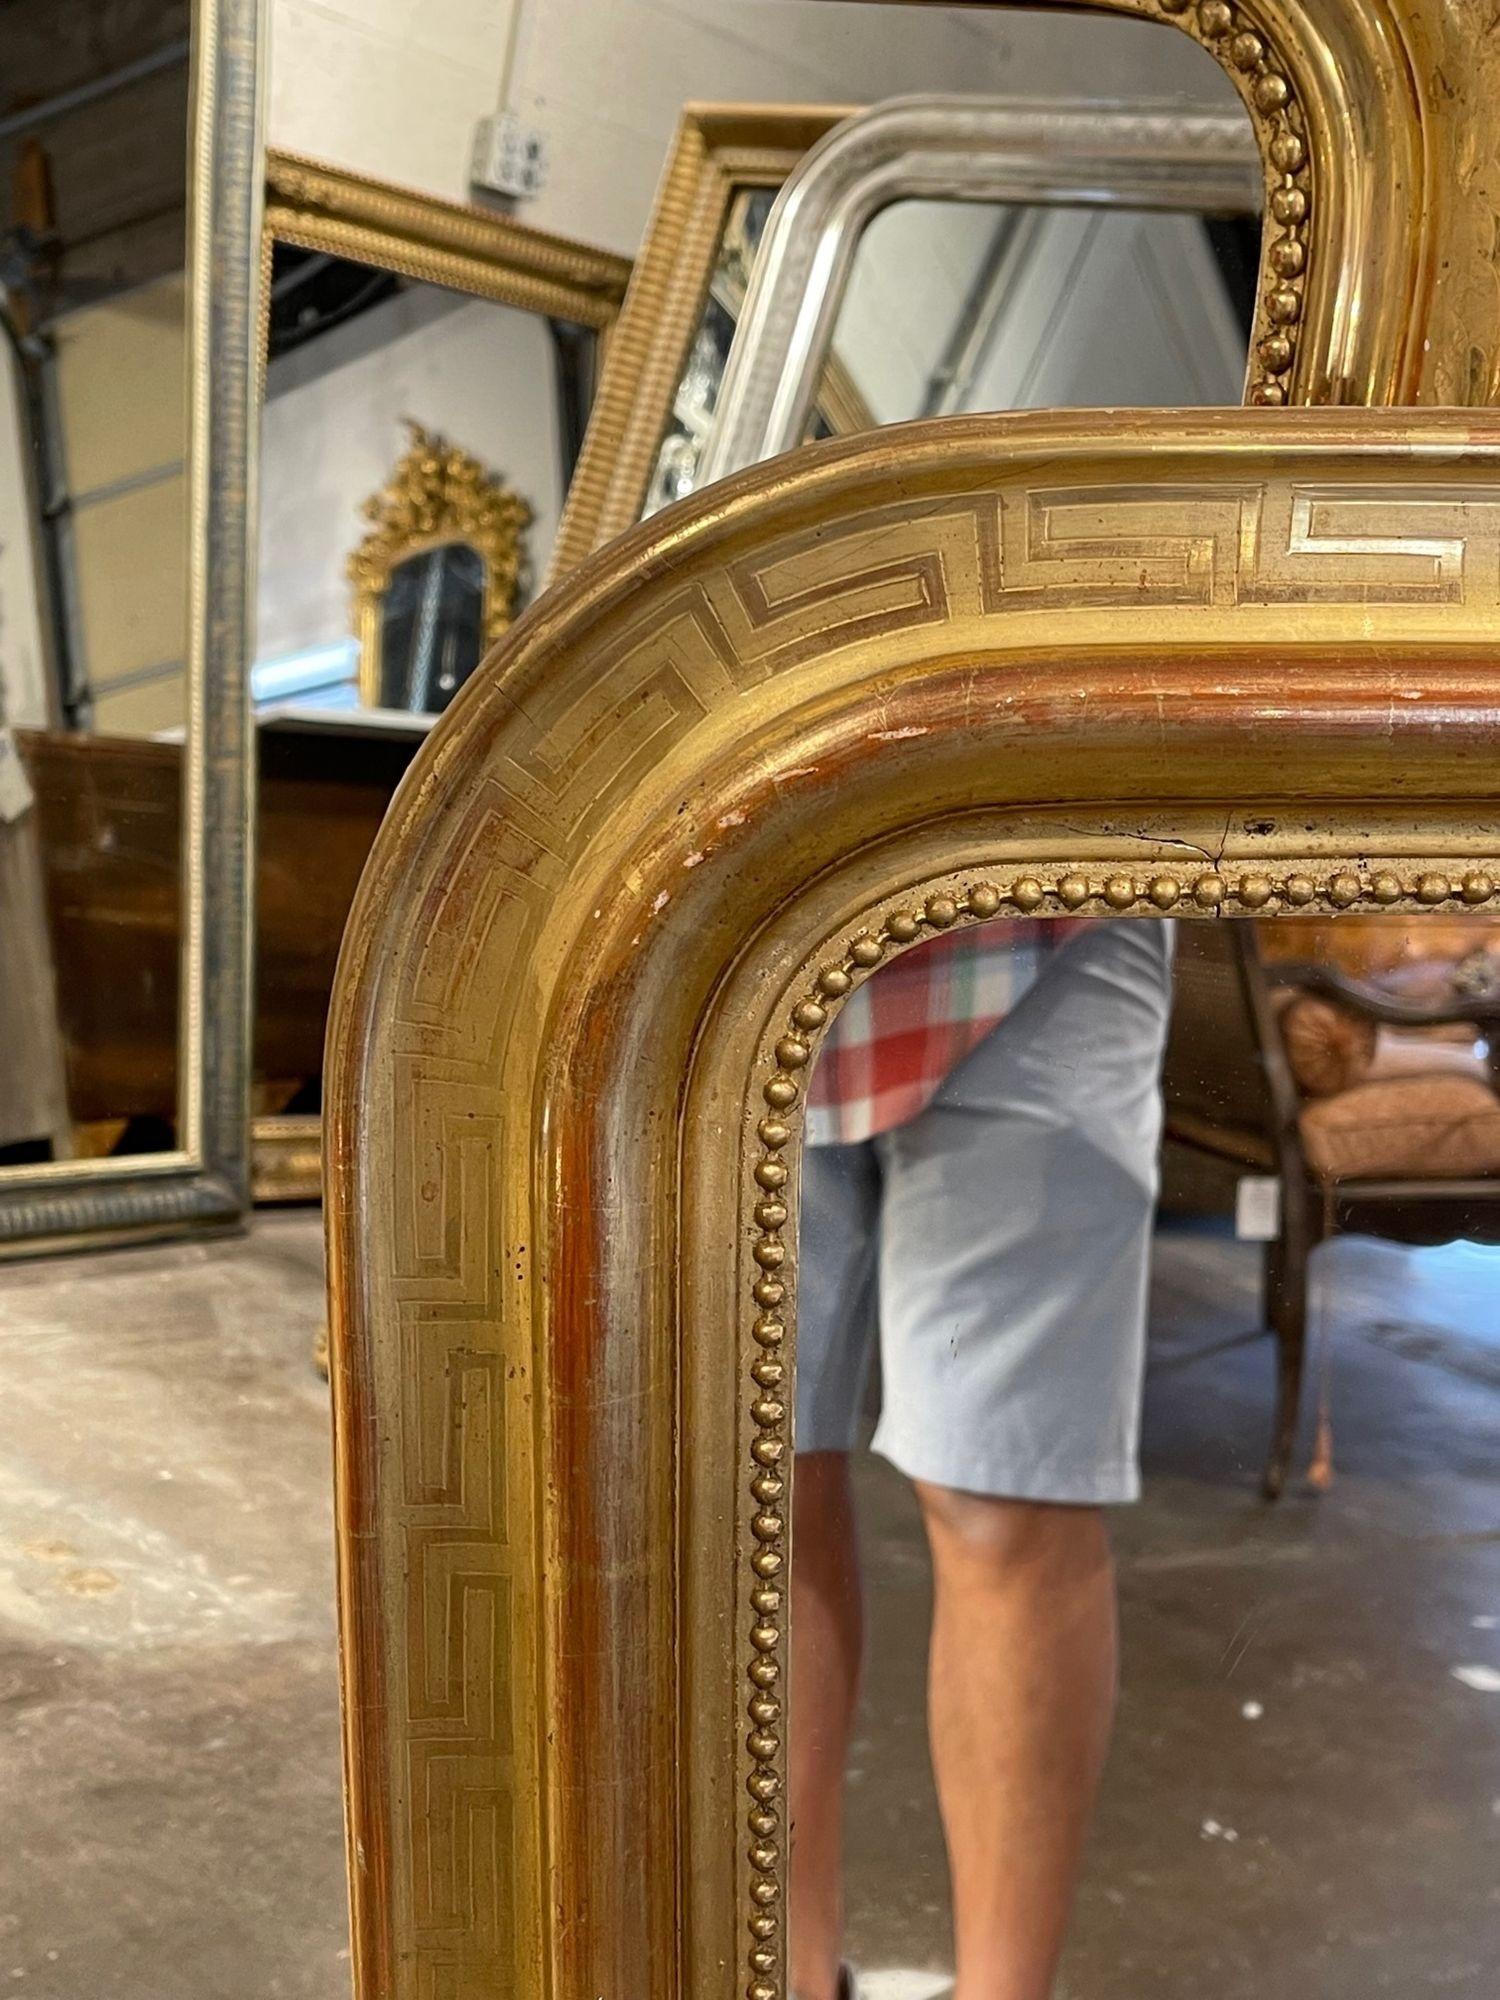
810	274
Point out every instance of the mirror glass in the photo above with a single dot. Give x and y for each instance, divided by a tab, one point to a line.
955	306
94	704
431	627
412	438
676	471
1078	1201
416	446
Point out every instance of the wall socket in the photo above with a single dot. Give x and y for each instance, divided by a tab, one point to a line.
509	157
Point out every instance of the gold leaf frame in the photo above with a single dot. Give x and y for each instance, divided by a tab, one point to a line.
719	151
1376	122
454	244
1117	662
437	493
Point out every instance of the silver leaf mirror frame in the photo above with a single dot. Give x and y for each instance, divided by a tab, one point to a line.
942	148
204	1181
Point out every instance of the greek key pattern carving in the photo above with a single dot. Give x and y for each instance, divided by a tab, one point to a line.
1216	543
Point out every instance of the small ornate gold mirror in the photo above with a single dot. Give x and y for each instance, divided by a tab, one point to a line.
436	578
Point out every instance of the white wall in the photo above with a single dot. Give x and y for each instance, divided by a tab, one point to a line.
1105	306
393	87
480	374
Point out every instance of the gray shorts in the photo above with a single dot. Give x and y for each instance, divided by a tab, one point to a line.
999	1244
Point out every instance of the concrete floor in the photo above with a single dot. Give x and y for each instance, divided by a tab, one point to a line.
1304	1798
169	1747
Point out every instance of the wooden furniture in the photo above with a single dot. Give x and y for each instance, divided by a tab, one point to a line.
109	814
109	817
1410	1152
324	784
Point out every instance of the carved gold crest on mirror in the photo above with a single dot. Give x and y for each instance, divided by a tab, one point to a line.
437	577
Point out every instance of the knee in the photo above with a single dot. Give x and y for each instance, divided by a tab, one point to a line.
1008	1539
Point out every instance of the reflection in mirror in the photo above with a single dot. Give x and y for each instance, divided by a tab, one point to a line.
1246	1181
964	306
840	409
416	445
435	577
431	627
675	473
93	583
436	417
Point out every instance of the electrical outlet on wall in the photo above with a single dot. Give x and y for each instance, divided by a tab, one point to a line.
510	156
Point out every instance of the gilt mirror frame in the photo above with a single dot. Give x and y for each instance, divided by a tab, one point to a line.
719	151
1376	123
1027	663
1223	663
934	148
458	245
204	1181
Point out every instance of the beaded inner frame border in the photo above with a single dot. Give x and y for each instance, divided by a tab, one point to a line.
1259	70
904	920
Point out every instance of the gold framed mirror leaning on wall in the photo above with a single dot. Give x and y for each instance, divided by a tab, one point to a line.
428	372
1110	670
133	162
393	318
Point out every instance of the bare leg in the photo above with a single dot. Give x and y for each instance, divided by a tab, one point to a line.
827	1633
1021	1700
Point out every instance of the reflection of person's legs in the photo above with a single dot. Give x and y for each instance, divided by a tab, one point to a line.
835	1336
1021	1695
1014	1256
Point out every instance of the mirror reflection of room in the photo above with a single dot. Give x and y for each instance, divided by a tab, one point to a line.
93	583
1122	1619
1109	1240
956	306
415	452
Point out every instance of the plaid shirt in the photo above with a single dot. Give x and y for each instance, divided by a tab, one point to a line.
900	1034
